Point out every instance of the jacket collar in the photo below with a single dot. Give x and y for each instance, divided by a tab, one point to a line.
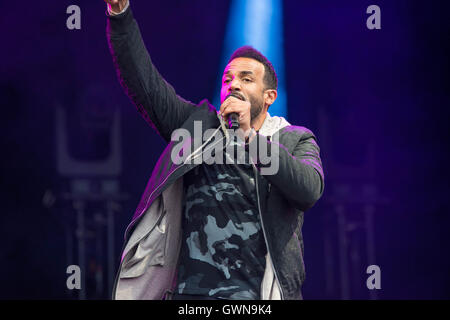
269	126
272	125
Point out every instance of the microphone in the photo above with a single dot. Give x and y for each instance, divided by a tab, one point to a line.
233	121
233	118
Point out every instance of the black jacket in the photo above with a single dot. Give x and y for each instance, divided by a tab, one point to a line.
283	197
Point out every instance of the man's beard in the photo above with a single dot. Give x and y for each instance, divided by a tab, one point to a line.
256	107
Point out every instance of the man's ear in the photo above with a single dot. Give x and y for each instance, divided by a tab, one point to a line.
270	95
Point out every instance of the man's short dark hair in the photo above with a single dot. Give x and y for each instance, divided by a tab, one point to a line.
270	77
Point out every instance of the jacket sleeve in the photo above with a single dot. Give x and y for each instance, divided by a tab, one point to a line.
154	98
299	175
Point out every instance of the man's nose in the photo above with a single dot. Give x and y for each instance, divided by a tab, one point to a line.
235	85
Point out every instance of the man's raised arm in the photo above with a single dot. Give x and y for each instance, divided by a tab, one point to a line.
155	99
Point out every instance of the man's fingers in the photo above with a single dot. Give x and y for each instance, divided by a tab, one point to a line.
116	5
224	107
227	102
231	109
235	107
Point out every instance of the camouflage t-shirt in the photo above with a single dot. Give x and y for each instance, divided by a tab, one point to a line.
223	249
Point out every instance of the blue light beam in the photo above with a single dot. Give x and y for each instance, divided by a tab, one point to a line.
258	23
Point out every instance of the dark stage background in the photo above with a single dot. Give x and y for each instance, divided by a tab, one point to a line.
376	99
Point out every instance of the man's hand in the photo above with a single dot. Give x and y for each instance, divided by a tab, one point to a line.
116	6
233	104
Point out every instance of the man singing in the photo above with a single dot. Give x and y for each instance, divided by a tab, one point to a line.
222	229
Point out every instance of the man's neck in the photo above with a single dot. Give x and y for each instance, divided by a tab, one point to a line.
258	122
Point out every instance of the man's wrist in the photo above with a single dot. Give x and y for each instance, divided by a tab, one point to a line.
116	10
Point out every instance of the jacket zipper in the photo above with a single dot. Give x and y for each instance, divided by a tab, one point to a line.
146	205
145	208
255	171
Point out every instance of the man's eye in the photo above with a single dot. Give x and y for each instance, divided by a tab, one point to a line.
247	80
226	81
